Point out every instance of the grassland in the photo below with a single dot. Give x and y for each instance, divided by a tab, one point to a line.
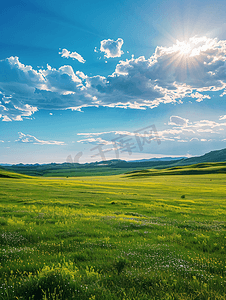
104	168
113	237
201	168
116	166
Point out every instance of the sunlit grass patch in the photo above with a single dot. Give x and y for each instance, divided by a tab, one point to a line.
113	238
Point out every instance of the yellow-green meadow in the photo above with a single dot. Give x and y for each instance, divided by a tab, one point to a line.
113	237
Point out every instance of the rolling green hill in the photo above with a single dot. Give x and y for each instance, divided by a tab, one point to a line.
104	168
115	166
8	174
201	168
213	156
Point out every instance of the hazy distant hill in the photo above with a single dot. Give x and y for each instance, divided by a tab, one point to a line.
167	158
213	156
112	167
196	169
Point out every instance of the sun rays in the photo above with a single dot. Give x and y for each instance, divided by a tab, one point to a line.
185	58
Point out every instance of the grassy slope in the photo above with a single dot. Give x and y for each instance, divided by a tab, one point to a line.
106	168
202	168
112	167
213	156
8	174
138	169
129	239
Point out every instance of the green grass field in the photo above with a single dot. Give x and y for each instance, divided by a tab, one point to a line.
113	237
202	168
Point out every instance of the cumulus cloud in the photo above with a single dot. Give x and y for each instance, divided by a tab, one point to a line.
184	130
27	138
6	119
207	123
175	120
74	55
222	117
23	90
194	69
189	69
112	48
177	130
123	141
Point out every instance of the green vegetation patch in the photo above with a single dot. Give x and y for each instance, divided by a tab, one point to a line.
113	237
197	169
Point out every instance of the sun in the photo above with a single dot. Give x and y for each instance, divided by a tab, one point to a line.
184	48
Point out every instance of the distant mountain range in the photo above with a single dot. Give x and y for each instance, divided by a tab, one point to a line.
213	156
112	167
167	158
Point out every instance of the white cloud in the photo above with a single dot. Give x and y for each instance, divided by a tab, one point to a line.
81	75
207	123
171	74
74	55
206	130
143	133
222	117
191	69
186	130
24	91
6	119
199	97
123	139
27	138
98	141
175	120
112	48
18	72
178	130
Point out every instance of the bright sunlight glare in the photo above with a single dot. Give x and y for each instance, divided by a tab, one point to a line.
183	47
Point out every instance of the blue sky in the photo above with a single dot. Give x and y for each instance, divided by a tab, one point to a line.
90	80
